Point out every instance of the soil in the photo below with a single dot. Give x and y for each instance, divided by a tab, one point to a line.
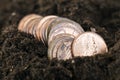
22	57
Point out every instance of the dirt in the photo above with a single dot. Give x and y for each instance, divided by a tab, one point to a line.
22	57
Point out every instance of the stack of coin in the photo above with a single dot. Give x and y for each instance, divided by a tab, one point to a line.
61	33
64	37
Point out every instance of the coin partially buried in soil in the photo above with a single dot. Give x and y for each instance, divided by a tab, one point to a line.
89	44
63	25
60	47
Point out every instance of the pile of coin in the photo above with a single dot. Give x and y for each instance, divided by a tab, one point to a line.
64	37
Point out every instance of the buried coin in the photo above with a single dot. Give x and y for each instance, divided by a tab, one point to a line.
64	49
60	47
88	44
24	22
41	26
63	25
46	23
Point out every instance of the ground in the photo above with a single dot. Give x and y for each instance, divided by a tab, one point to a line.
22	57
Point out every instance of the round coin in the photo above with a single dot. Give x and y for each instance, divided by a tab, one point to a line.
44	25
39	30
23	23
63	25
64	49
20	25
89	44
59	43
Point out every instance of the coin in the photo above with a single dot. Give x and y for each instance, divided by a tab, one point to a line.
32	24
60	42
51	46
49	21
64	49
34	28
45	24
63	25
25	20
89	44
39	30
22	21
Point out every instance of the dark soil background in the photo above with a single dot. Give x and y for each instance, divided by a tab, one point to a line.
22	57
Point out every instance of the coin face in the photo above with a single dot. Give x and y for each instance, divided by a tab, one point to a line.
88	44
60	47
63	25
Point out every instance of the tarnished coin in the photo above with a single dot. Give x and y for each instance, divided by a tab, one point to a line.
89	44
63	25
60	47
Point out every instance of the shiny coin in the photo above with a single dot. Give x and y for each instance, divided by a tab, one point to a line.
34	27
63	25
39	30
48	20
23	23
32	24
89	44
60	42
64	49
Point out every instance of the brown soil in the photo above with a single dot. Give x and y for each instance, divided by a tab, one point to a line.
22	57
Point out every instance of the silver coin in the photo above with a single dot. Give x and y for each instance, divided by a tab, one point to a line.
48	20
64	49
63	25
89	44
51	46
57	44
39	30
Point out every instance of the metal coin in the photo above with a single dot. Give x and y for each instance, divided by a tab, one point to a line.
48	22
89	44
58	44
31	25
34	27
23	20
65	26
51	46
64	49
39	31
45	24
